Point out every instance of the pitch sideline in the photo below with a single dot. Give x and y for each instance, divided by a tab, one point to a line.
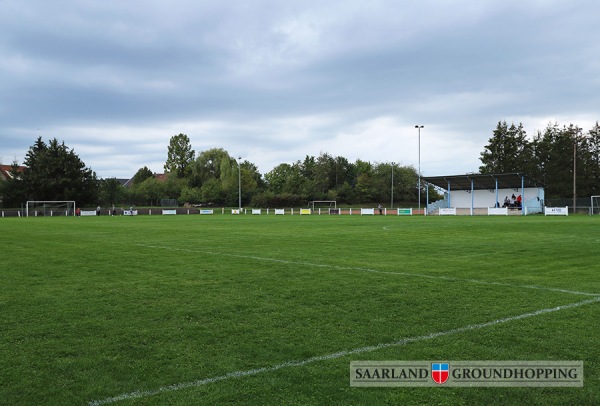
335	355
352	268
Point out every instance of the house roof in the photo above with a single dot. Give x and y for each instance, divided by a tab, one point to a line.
483	181
160	177
5	171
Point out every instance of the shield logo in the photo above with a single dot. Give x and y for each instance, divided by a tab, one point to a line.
440	372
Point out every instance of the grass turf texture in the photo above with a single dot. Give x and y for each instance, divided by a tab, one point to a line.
95	308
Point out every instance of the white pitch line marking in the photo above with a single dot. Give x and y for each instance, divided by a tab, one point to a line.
299	363
352	268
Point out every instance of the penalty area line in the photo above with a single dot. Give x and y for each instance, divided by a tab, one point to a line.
299	363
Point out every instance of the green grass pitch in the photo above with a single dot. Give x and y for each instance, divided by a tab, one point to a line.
270	310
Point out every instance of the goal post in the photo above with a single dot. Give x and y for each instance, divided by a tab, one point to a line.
52	208
595	205
323	203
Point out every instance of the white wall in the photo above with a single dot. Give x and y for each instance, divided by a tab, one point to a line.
487	198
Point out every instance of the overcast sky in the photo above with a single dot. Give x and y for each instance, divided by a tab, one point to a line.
274	81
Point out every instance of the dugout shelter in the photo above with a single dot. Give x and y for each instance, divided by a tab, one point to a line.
475	193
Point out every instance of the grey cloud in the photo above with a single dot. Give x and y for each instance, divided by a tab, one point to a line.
274	79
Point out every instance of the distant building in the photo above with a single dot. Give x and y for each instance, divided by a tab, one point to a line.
5	171
123	181
5	174
160	177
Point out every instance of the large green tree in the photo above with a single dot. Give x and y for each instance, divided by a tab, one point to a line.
216	177
278	177
593	159
149	192
551	157
12	190
141	175
508	150
251	181
554	157
180	156
334	178
112	192
405	183
207	166
55	172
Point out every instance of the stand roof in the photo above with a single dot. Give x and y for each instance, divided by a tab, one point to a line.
483	181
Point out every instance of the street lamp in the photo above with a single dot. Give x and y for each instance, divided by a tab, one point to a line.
240	183
418	127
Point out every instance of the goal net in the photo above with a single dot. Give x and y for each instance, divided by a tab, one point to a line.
37	208
317	204
595	205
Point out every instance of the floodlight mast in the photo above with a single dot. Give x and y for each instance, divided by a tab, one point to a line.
418	127
240	183
392	202
576	137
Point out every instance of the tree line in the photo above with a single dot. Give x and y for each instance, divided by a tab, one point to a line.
212	177
52	171
553	156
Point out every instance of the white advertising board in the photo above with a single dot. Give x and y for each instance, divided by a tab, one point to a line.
556	211
447	211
